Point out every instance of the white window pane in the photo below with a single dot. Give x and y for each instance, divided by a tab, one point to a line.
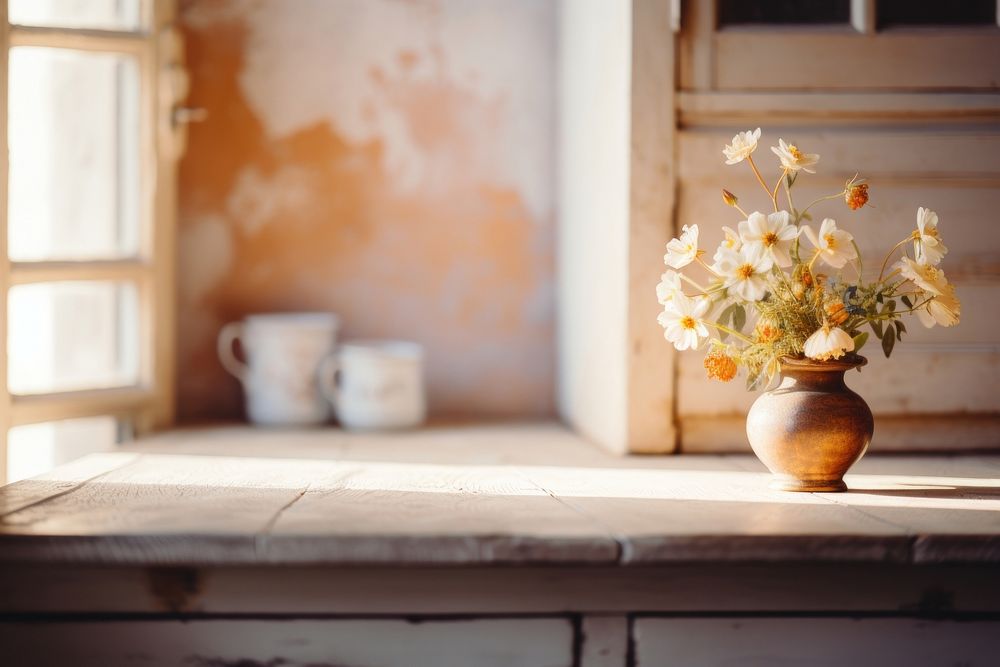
72	335
95	14
35	449
74	155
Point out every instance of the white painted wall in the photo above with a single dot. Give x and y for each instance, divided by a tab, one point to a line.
593	217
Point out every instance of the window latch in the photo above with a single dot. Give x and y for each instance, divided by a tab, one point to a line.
185	115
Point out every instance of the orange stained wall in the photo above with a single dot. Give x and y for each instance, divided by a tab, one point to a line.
386	160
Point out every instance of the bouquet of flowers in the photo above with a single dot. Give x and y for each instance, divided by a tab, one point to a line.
776	286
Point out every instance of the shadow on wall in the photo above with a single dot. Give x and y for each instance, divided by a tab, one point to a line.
391	162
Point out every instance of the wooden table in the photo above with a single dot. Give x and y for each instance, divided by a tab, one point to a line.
511	545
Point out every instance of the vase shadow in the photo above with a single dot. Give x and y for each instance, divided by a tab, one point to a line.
936	491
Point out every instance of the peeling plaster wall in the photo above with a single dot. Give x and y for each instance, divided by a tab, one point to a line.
390	161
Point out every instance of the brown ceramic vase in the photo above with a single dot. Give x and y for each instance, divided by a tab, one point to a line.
811	428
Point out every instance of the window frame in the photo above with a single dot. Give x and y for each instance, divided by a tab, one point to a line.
148	404
708	59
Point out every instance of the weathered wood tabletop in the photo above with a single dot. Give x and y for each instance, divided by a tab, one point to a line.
518	494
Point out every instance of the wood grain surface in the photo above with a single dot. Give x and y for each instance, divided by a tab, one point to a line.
483	495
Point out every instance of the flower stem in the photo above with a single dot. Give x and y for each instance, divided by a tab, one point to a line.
729	331
839	194
707	267
774	192
860	266
693	283
888	255
760	179
889	316
813	260
788	194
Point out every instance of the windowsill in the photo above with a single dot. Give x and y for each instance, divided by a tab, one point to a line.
525	494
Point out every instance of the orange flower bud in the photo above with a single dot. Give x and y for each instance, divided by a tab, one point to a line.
856	196
766	331
729	198
835	313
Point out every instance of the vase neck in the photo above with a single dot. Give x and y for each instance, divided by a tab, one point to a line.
807	378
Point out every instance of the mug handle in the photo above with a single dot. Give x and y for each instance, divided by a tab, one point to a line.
227	336
327	374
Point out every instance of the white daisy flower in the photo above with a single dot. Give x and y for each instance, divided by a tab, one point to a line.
743	144
828	342
793	159
730	242
834	245
926	277
682	251
927	246
745	272
772	233
944	309
682	323
668	287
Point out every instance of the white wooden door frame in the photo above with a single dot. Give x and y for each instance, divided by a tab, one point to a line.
616	201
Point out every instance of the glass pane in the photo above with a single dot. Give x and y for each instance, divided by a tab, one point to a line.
787	12
95	14
72	335
908	12
74	155
36	449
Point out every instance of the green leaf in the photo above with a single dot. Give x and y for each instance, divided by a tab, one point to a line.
887	344
739	317
891	306
899	332
723	320
877	328
758	381
905	299
860	340
879	297
901	326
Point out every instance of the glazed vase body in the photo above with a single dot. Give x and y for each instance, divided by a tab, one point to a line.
812	427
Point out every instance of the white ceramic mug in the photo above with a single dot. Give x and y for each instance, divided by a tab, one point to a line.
283	352
376	385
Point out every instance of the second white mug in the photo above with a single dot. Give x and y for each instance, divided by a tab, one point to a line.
376	385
